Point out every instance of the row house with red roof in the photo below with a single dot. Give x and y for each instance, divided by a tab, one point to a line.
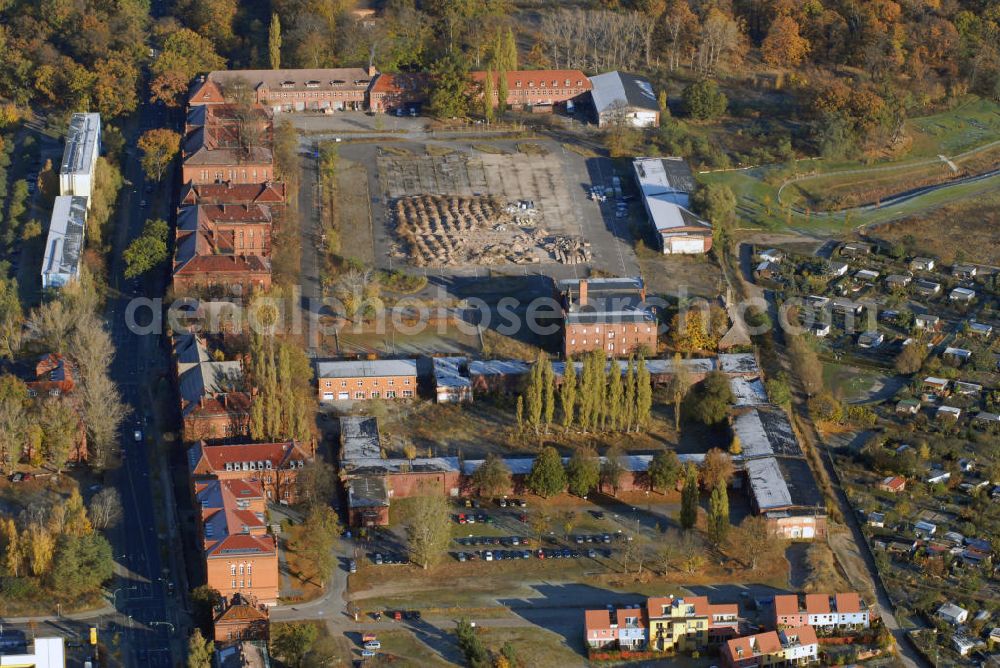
845	611
239	619
213	394
796	646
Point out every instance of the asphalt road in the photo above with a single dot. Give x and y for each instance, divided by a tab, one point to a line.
145	616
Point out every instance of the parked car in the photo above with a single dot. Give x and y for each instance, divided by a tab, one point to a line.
462	557
373	644
488	556
352	566
592	553
378	559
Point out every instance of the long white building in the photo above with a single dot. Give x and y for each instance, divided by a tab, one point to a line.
666	185
83	145
64	244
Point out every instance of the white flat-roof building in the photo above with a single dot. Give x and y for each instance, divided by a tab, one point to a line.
666	185
47	653
83	145
64	245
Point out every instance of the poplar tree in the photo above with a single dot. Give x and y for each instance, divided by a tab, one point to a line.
680	383
587	393
718	514
533	400
274	42
628	406
616	396
502	92
598	389
510	50
489	90
567	393
689	498
549	390
644	394
520	413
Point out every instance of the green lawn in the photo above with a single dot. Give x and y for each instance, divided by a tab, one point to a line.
973	124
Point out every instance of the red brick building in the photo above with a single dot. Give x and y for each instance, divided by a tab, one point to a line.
204	261
226	143
243	229
366	379
398	91
290	90
240	620
607	314
527	89
214	400
274	465
241	557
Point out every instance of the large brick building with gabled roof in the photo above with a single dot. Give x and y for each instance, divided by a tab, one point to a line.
240	555
274	465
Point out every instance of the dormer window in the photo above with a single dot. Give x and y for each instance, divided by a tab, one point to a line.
267	465
253	466
287	84
531	84
312	84
229	466
517	84
566	83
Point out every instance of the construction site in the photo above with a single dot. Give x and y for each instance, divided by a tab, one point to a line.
469	209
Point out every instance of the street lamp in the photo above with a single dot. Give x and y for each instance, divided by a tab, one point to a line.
114	601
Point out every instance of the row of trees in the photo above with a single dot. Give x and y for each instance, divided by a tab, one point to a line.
280	372
584	472
603	399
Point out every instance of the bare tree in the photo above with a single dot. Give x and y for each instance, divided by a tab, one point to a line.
105	508
103	412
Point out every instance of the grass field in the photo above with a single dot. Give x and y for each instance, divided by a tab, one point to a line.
973	124
966	230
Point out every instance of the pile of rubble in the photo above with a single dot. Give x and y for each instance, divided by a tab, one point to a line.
443	231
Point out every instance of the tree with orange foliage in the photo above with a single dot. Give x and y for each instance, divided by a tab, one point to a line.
784	46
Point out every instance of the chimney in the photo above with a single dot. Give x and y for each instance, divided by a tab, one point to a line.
583	293
372	71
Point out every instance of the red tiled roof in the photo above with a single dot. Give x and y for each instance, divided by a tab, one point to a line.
818	604
597	620
242	543
206	92
786	604
398	83
215	457
806	635
235	213
848	602
233	193
241	612
761	643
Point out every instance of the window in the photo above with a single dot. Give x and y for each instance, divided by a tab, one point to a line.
328	384
391	381
407	393
359	395
406	381
611	346
232	569
376	394
572	342
361	383
391	394
241	569
611	334
234	584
